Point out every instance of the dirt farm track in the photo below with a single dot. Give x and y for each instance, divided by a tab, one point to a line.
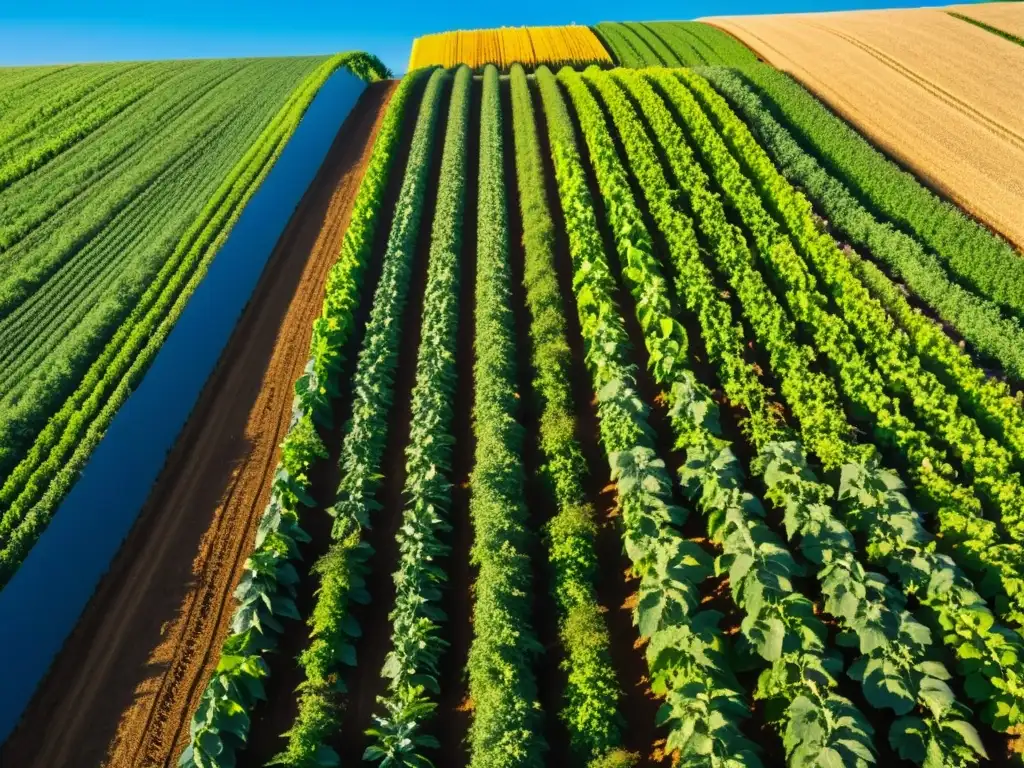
123	689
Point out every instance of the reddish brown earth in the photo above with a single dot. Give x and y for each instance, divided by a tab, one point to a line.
126	683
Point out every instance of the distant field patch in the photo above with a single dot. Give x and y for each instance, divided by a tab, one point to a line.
942	96
529	46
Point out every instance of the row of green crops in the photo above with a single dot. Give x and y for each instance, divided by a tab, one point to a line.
671	44
506	713
984	460
221	723
972	254
411	666
685	648
989	654
343	570
48	431
974	317
895	673
779	621
591	699
860	379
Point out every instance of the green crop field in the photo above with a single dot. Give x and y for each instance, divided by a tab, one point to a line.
654	413
117	183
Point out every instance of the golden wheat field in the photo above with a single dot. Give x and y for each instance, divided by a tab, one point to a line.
943	96
502	47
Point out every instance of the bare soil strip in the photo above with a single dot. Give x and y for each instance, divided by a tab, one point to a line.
943	98
124	687
1008	17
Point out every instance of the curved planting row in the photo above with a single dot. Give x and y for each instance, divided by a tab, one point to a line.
978	319
685	648
506	713
974	255
780	621
862	383
896	667
893	352
873	505
959	508
411	666
221	723
591	699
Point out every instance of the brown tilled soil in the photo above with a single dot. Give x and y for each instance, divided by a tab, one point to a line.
942	96
123	689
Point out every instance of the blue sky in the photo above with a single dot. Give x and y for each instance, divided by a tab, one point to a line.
58	31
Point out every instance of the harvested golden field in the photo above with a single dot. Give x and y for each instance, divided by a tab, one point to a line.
529	46
943	96
1008	17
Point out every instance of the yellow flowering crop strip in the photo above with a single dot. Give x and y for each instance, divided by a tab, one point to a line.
575	46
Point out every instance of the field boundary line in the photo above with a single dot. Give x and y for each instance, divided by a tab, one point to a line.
934	89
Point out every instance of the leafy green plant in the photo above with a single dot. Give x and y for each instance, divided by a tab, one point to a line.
974	256
896	536
887	348
978	319
779	623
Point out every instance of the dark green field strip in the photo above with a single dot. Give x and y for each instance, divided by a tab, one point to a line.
173	194
657	43
974	317
33	147
988	28
672	43
619	45
87	174
20	86
973	255
38	148
39	350
724	48
685	48
35	487
635	43
56	229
